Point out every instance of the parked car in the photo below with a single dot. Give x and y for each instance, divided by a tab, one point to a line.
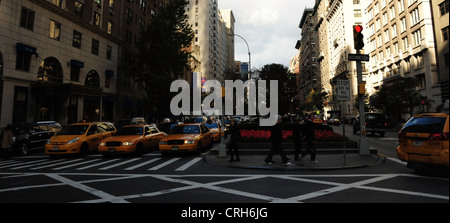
187	138
79	138
424	139
31	136
131	139
375	123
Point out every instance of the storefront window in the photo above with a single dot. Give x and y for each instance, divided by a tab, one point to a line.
92	79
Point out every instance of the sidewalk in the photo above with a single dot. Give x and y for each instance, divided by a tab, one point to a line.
327	161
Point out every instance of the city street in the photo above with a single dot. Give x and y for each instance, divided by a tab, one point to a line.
152	178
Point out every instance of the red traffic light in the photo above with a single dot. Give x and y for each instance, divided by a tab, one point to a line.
358	28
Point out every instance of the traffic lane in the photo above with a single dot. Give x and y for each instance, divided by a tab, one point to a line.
386	145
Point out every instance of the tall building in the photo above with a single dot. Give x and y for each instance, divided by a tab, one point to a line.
309	80
62	60
440	10
327	39
402	44
211	34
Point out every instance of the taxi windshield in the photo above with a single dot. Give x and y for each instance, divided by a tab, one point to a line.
73	130
213	125
125	131
186	129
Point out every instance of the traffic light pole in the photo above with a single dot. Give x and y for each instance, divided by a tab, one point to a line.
363	143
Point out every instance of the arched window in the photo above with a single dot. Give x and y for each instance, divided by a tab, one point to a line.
50	70
92	79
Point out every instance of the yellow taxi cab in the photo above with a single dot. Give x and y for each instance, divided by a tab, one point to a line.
131	139
187	138
317	120
216	130
79	138
425	140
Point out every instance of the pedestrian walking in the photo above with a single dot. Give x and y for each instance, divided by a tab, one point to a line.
308	132
7	141
276	139
235	138
297	135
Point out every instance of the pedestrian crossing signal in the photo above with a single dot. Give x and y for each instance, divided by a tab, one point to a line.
358	37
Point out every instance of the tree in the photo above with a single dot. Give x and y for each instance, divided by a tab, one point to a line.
397	99
287	89
163	53
315	101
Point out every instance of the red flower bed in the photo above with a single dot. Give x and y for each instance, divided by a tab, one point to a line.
263	136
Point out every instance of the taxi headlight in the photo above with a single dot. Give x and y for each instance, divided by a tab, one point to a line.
127	143
102	144
189	141
73	140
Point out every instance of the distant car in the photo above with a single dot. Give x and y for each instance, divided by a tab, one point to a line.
317	121
215	129
425	140
79	138
375	123
334	121
186	138
131	139
31	136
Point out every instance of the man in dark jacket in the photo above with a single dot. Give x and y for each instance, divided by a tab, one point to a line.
276	139
297	135
308	132
235	137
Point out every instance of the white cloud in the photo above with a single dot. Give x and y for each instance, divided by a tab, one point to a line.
270	28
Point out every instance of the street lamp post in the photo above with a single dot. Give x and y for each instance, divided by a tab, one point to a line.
249	53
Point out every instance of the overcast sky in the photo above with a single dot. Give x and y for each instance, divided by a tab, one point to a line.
270	28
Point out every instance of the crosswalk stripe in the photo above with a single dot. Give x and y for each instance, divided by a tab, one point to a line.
23	163
189	164
119	164
76	164
97	164
164	164
12	163
55	164
35	164
142	164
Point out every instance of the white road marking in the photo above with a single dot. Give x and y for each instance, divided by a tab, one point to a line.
164	164
76	164
142	164
189	164
56	164
119	164
97	164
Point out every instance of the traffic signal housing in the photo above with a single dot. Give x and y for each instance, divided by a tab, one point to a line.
358	37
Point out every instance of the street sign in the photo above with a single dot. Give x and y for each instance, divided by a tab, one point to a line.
343	90
359	57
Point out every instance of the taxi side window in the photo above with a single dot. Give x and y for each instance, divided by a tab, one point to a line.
101	128
204	129
154	130
147	131
93	130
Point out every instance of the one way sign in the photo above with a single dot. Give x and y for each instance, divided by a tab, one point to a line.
359	57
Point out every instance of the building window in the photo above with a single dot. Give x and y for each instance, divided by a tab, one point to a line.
108	52
95	46
394	30
76	41
415	18
401	5
420	61
92	79
445	33
392	12
444	7
23	61
27	19
96	19
417	37
110	27
403	24
79	9
75	73
405	44
55	30
57	3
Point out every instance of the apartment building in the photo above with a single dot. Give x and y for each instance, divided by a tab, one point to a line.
211	34
440	10
62	60
402	44
308	77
